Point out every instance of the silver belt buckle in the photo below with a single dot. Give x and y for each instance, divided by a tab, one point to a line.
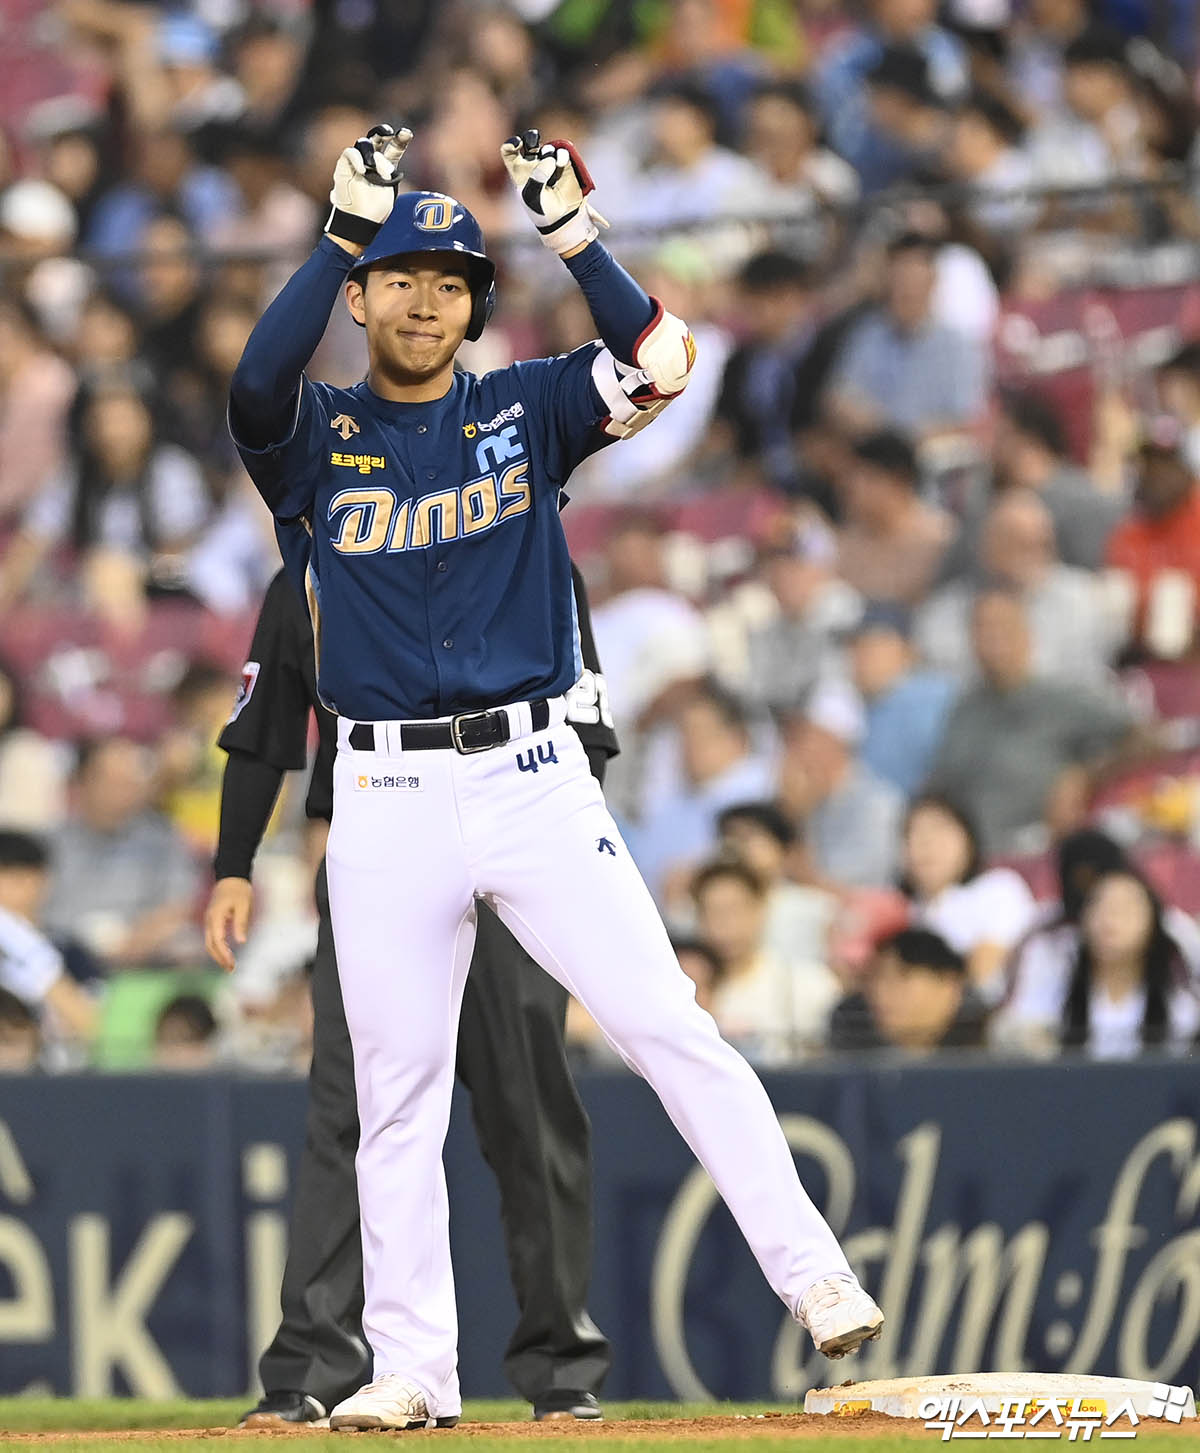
456	732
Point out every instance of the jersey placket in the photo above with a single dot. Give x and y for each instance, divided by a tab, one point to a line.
426	453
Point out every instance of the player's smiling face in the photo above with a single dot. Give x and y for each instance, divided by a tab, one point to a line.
416	310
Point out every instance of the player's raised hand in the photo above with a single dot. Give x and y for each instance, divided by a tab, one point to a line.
554	185
364	184
228	913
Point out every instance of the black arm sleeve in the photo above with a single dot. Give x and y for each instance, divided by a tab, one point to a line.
248	792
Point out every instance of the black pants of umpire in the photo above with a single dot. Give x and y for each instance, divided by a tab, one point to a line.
533	1133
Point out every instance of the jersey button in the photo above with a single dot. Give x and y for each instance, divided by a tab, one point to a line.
442	567
449	643
431	474
422	428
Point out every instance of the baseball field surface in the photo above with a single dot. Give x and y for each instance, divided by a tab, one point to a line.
85	1427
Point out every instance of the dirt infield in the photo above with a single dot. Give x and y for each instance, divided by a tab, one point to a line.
664	1430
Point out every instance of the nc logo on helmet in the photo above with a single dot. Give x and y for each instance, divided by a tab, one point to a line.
435	214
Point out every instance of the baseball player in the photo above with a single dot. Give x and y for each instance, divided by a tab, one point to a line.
533	1131
440	587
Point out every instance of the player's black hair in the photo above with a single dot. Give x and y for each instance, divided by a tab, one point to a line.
767	271
22	850
727	867
921	948
688	944
1162	966
937	802
15	1013
1036	416
890	451
768	816
193	1012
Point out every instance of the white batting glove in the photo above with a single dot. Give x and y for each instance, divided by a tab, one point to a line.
364	184
554	185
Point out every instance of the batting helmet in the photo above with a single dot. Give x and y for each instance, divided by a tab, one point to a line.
433	222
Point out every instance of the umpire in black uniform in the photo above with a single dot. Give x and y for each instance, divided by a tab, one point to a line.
532	1129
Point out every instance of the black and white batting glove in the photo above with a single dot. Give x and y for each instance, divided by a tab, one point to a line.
364	184
554	186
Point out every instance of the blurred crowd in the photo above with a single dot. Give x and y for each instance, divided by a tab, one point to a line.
900	638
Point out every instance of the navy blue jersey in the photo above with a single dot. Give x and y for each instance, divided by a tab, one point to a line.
439	574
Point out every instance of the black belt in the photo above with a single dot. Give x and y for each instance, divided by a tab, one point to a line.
470	731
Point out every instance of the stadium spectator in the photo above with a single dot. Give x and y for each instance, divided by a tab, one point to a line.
917	999
799	643
783	134
171	297
906	108
31	967
773	378
33	770
1035	57
799	915
1039	971
703	965
984	151
123	880
190	764
1158	545
841	82
906	704
980	912
185	1036
773	1008
20	1040
1075	635
690	178
36	389
1042	741
717	766
130	495
900	368
1179	389
651	639
1129	988
1030	452
851	818
891	543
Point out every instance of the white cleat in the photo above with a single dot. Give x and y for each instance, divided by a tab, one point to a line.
391	1401
839	1315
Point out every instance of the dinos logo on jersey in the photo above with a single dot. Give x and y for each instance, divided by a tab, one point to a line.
514	411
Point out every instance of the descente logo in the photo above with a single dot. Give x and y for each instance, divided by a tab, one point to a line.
514	411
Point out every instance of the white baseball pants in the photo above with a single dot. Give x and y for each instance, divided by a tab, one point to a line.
416	837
